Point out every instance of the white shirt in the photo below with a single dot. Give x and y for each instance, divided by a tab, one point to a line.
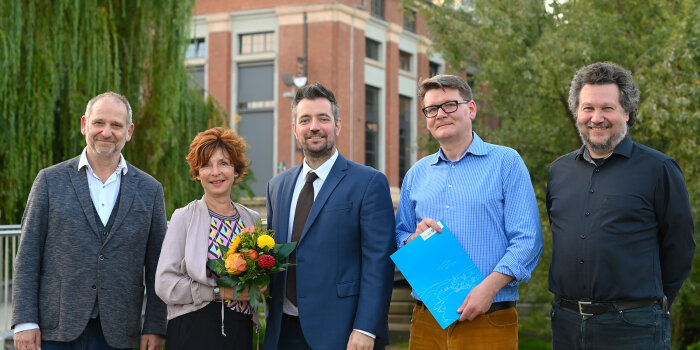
103	195
322	172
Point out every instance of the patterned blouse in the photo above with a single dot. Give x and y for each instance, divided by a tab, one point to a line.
222	230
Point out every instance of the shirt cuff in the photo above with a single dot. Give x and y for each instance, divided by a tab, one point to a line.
366	333
25	327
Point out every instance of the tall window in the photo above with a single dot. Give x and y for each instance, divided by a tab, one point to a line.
196	78
405	106
405	61
377	9
433	69
257	43
371	125
196	49
409	21
373	49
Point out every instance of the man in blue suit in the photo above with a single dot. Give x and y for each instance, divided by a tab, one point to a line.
338	294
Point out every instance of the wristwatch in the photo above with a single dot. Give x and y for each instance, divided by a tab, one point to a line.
217	296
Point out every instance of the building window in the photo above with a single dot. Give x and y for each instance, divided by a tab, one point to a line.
196	49
405	107
195	79
257	43
405	61
372	49
377	9
433	69
371	125
409	21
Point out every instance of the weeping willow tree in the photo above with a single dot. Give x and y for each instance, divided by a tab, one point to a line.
57	54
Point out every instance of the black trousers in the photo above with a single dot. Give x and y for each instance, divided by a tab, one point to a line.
201	329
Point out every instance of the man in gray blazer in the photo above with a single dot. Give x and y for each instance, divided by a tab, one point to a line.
91	235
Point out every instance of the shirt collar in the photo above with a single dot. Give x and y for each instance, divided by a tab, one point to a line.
84	162
624	148
323	170
477	148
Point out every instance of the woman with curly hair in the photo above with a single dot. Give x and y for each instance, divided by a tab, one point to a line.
200	314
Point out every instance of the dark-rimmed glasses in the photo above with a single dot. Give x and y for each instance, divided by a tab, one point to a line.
447	107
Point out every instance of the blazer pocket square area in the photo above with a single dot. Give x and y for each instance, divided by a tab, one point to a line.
339	206
346	289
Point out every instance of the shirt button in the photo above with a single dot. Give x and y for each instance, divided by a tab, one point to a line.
449	186
597	170
447	206
102	204
453	167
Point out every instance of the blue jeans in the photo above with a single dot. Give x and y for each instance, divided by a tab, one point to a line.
646	327
91	338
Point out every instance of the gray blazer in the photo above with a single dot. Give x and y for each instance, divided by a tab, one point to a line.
62	264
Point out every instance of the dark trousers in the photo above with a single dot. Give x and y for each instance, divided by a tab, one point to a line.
291	336
91	338
645	327
201	329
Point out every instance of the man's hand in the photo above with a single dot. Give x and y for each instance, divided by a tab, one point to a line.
151	342
28	340
359	341
422	226
479	299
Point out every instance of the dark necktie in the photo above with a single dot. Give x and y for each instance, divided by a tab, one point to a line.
304	204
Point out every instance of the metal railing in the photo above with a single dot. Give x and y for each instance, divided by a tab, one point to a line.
9	241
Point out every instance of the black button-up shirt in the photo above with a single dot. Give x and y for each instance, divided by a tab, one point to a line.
622	230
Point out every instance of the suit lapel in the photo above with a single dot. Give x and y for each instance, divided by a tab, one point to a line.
128	189
285	196
79	180
334	177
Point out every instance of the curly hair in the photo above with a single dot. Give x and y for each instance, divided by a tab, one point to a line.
208	141
602	73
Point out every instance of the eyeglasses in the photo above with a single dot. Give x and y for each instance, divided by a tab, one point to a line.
447	107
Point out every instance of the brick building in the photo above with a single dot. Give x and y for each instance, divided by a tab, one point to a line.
247	54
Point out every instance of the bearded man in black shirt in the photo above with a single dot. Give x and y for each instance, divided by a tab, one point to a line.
621	222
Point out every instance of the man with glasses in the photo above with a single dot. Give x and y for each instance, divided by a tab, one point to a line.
483	193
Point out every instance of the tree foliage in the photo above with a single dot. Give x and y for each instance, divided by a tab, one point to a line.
57	54
526	53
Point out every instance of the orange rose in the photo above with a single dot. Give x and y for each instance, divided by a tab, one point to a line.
252	254
235	264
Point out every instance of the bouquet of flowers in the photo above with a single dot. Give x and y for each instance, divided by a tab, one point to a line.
249	261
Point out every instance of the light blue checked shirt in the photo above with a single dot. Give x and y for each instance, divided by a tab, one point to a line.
487	200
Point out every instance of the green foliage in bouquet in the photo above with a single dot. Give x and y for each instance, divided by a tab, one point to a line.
249	261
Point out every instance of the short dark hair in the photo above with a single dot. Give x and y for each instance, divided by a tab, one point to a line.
444	81
602	73
312	92
208	141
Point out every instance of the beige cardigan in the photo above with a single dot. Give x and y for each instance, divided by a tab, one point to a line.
181	277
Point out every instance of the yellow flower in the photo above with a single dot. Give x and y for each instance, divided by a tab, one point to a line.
234	245
266	241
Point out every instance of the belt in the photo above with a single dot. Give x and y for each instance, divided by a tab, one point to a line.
290	318
497	306
590	308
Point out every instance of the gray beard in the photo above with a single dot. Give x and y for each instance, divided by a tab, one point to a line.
607	146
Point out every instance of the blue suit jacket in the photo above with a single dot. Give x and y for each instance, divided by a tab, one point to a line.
344	273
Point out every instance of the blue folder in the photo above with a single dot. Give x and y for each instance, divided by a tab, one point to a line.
440	272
